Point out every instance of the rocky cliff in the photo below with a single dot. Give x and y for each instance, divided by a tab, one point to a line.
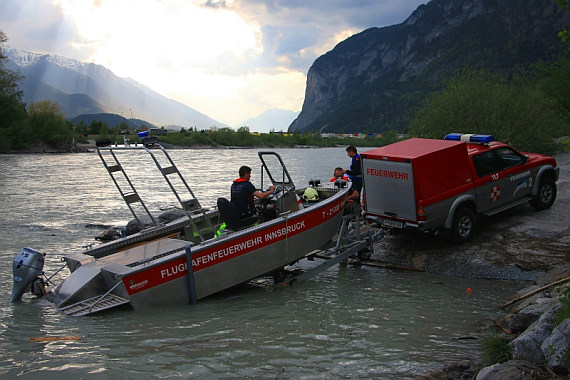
375	80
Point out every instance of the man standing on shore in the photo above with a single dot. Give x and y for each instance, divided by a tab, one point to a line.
355	171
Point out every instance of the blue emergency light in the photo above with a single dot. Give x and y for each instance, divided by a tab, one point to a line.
143	134
481	139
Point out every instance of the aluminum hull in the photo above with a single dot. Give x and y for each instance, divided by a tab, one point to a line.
156	273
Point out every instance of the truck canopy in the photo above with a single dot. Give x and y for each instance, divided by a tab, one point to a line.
415	172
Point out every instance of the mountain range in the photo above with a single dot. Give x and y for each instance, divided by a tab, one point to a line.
375	80
276	120
86	88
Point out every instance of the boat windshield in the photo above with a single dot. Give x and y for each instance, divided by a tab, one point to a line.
275	168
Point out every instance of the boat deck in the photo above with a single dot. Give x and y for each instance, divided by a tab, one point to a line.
145	253
132	257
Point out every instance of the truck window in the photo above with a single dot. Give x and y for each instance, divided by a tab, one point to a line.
493	161
509	157
486	163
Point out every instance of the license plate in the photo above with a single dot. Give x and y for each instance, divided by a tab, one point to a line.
393	223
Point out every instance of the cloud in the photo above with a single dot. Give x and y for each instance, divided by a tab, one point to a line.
231	59
37	26
297	32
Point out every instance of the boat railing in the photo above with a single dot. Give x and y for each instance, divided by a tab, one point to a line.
169	171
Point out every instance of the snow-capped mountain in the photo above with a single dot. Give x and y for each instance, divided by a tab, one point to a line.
86	88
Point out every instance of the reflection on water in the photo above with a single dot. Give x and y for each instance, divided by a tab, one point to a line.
355	321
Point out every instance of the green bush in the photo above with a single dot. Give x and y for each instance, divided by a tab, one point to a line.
526	110
47	124
563	313
495	349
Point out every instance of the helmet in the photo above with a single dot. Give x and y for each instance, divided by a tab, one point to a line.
310	195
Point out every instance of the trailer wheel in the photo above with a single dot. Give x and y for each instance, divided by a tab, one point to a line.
463	225
364	254
546	194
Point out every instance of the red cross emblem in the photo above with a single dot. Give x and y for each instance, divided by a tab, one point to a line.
495	193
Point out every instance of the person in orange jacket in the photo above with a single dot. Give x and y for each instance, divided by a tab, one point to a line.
339	174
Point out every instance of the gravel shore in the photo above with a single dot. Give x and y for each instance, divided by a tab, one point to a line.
519	244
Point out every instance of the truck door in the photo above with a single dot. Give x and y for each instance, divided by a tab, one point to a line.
519	180
389	188
491	186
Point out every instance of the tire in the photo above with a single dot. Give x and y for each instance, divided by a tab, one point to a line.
463	225
546	194
364	254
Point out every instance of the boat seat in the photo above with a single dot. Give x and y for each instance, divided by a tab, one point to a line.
231	215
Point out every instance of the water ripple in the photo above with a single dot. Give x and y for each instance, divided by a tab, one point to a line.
345	323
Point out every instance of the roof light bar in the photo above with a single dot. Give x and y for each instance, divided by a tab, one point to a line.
482	139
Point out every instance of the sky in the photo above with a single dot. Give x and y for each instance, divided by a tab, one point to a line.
229	59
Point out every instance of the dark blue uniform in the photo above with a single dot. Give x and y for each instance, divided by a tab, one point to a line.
355	173
242	197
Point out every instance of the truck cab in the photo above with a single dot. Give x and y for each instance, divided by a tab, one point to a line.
443	185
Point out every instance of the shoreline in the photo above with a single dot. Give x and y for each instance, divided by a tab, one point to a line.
520	244
92	148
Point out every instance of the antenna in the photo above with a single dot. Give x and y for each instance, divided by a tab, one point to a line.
132	119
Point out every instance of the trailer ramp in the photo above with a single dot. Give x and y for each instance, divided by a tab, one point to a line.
350	242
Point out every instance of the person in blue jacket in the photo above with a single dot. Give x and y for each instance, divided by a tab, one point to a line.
355	171
243	191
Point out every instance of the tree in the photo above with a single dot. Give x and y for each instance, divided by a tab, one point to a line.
124	127
105	131
563	34
12	108
48	123
95	127
513	111
553	78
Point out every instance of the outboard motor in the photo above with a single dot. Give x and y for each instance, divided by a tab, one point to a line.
27	267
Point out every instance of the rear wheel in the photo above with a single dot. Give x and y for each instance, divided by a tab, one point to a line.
546	194
364	254
463	225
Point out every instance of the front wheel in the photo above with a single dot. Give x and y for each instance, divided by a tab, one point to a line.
546	194
364	254
463	225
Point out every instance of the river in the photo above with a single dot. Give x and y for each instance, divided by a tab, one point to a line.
351	322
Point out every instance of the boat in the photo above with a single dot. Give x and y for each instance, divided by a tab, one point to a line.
202	253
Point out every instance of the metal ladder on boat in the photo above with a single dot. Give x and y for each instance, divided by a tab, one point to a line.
95	304
129	193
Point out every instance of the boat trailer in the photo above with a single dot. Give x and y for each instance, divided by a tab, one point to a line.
354	240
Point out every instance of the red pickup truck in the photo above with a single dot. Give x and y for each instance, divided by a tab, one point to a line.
443	185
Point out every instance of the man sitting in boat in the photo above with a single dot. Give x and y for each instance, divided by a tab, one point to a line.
353	199
339	174
243	191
